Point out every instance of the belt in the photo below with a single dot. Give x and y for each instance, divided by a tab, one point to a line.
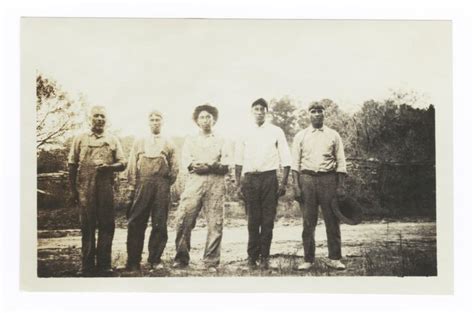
313	173
261	173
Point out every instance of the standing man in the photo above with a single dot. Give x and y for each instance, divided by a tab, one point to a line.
205	156
260	153
152	169
93	158
319	170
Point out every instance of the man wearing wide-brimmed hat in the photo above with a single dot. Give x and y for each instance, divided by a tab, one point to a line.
319	169
205	156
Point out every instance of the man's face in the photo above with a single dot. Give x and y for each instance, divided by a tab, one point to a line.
259	112
316	116
155	124
98	120
205	121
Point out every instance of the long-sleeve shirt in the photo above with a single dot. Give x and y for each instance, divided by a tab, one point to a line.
318	150
208	149
263	148
152	146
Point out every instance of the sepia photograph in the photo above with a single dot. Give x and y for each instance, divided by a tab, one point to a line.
237	148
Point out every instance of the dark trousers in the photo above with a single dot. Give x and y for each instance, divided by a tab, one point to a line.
319	190
261	199
98	214
152	197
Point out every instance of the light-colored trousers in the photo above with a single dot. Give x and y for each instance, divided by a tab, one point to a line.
204	192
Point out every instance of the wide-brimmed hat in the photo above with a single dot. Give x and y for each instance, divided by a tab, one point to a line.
208	108
347	209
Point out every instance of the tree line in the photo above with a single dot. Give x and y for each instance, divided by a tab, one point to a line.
390	145
392	130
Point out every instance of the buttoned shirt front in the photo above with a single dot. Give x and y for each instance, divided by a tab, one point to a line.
153	145
263	148
318	150
205	148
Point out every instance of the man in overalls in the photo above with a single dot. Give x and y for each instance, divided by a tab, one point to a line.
205	156
93	158
152	169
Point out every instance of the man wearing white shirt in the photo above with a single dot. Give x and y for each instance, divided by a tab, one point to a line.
152	169
258	156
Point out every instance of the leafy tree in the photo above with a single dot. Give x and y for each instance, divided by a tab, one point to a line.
284	114
335	118
57	114
395	132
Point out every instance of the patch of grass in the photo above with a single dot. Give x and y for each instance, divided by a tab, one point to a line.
400	259
58	262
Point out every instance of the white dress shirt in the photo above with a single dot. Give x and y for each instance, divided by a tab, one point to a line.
263	148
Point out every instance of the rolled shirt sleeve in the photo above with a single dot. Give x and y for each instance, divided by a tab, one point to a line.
340	156
283	149
73	157
119	155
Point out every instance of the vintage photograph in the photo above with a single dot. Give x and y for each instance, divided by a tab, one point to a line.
237	148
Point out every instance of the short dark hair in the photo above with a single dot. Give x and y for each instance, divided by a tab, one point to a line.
208	108
315	105
261	102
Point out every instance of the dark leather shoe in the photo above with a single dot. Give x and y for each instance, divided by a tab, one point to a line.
133	268
264	264
86	272
105	272
251	265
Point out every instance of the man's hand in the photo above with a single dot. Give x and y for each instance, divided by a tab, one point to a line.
200	168
102	168
281	190
297	187
115	167
240	193
340	193
173	180
131	196
298	193
219	169
74	197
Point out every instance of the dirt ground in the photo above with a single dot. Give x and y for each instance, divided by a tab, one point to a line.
375	248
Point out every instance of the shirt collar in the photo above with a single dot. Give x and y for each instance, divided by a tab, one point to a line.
91	133
264	125
322	129
153	136
200	133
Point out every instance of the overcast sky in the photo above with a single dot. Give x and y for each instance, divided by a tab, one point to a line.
134	65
